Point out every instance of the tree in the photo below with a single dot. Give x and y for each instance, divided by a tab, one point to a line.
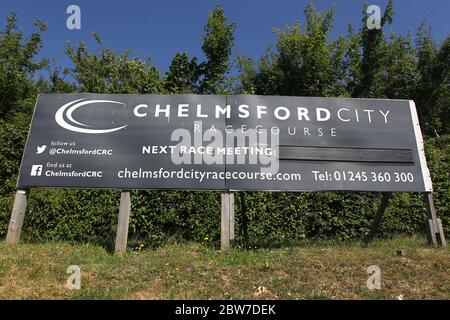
372	42
398	69
56	82
183	74
304	59
217	44
442	93
18	65
430	92
264	79
108	72
304	64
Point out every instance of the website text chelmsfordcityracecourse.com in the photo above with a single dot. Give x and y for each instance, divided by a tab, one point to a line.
200	176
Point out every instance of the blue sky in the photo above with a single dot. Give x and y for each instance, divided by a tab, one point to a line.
161	28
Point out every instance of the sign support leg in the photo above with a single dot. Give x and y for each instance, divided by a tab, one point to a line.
17	217
227	220
435	232
122	222
376	222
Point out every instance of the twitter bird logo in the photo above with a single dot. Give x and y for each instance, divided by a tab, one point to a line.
41	149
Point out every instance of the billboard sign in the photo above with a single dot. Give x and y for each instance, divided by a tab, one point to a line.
217	142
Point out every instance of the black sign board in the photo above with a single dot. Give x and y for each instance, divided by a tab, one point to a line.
212	142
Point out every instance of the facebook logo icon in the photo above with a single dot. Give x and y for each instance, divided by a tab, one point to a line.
36	170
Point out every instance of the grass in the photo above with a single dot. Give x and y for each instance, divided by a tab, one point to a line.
313	270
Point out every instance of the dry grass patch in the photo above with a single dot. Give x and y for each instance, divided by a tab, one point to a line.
313	270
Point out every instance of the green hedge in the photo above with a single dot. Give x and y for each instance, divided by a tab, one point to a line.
160	216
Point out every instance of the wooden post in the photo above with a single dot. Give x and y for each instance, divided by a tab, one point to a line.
122	222
244	222
17	217
435	232
231	216
227	220
378	216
